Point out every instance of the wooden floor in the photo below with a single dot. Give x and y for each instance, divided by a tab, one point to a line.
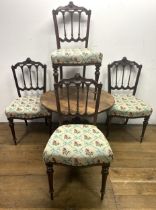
131	183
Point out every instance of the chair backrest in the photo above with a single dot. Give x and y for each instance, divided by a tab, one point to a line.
123	75
29	76
71	24
74	101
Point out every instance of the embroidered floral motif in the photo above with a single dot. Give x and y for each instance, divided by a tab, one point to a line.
65	151
76	131
98	144
55	143
86	146
76	56
88	152
87	137
66	137
77	144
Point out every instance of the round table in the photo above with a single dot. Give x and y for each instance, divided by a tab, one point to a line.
48	100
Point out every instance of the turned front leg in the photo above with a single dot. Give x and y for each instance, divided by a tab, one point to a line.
11	124
50	172
108	124
145	123
97	72
104	172
55	74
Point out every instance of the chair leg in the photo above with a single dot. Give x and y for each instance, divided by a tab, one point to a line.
55	74
46	121
126	121
26	123
104	172
145	123
11	124
97	72
108	124
61	73
50	124
50	172
84	74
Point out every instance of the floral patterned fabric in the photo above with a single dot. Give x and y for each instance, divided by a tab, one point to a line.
76	56
129	106
26	107
77	145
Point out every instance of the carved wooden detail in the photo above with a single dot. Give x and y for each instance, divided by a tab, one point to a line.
73	107
27	69
123	69
65	12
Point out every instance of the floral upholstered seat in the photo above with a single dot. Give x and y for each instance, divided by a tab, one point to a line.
77	145
66	56
129	106
26	107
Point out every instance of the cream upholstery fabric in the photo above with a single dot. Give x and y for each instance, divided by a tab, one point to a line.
76	56
26	107
77	145
129	106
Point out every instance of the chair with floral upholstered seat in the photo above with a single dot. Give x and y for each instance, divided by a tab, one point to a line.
72	25
77	145
123	77
30	78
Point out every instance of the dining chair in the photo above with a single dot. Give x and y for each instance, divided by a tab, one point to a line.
77	145
72	25
123	78
30	80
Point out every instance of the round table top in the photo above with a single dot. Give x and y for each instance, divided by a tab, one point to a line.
48	100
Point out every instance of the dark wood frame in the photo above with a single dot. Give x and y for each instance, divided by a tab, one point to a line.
50	173
71	8
77	82
20	66
125	62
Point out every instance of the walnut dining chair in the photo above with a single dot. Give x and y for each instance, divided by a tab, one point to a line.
30	80
72	24
123	78
77	145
